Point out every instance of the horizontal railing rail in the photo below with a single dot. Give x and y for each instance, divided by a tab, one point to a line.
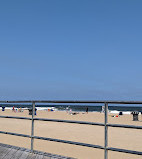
105	124
15	134
16	117
76	122
74	101
75	143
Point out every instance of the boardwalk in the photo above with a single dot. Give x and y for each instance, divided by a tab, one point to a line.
12	152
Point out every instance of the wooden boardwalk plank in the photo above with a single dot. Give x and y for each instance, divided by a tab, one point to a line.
2	149
17	154
10	154
5	152
24	155
31	156
13	152
46	157
39	157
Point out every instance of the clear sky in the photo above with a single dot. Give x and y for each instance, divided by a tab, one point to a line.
71	49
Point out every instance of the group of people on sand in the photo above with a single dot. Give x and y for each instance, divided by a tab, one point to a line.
74	113
17	109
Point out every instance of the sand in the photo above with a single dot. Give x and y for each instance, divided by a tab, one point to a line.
118	137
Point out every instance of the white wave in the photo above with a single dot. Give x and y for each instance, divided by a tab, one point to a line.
38	108
46	108
117	112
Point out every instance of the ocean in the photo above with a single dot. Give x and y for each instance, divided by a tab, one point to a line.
78	108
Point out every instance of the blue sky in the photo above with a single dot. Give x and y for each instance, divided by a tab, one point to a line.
71	49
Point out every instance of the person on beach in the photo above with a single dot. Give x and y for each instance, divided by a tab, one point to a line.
20	109
35	111
70	112
67	109
13	109
3	108
87	110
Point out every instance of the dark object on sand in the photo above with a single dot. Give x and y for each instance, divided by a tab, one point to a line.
30	111
87	110
74	113
3	108
135	116
120	113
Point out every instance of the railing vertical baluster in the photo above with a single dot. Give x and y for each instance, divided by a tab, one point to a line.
106	131
32	129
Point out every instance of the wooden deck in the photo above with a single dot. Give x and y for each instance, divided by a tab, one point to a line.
13	152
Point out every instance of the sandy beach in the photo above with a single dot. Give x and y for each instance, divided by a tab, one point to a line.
118	137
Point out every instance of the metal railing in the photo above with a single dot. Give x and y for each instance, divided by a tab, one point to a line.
105	124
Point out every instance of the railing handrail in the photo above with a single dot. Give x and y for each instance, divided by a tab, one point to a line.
105	124
76	122
74	101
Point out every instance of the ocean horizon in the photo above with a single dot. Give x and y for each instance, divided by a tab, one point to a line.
77	108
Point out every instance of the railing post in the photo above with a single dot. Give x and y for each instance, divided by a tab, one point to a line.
32	129
106	131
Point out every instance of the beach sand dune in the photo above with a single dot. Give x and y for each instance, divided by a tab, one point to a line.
118	137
